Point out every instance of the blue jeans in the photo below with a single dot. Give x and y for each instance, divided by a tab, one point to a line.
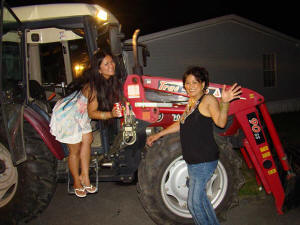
199	205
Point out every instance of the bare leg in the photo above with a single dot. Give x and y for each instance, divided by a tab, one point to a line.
73	161
85	156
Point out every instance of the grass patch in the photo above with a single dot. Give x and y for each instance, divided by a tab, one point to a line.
250	187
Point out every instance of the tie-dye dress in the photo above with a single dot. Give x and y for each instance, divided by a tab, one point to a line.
70	119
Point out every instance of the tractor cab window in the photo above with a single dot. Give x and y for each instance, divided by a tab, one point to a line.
79	56
59	59
52	63
12	87
11	78
103	38
55	61
63	55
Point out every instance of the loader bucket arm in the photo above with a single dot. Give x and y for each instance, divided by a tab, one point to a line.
259	152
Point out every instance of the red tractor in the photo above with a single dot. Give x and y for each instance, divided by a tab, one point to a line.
161	101
43	48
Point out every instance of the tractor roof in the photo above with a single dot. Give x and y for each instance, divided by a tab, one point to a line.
56	11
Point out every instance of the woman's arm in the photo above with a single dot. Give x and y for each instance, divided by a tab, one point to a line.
175	127
219	111
94	113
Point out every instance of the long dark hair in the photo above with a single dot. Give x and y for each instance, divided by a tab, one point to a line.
108	91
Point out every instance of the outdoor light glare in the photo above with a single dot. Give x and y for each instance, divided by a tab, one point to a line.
102	15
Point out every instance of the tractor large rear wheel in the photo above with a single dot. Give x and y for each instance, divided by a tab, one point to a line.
163	182
27	189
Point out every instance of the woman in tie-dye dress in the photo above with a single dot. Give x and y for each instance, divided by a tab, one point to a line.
92	97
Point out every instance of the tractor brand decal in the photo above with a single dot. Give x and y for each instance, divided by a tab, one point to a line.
177	87
133	91
272	171
215	92
256	128
176	117
171	86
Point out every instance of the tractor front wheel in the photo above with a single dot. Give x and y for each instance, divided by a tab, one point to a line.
163	179
27	189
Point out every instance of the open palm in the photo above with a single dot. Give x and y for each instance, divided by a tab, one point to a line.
231	93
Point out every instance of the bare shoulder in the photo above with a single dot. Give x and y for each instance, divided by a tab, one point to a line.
86	90
210	102
208	98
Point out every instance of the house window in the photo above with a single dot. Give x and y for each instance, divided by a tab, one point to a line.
269	69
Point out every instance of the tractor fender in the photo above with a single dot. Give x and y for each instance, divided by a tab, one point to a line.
41	125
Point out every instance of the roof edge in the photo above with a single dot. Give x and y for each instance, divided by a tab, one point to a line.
59	10
214	21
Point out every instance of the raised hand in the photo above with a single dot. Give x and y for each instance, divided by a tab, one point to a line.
232	93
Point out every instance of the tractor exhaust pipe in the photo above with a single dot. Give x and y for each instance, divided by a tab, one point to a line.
137	68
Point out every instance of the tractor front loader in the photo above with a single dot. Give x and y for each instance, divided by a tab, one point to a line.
161	101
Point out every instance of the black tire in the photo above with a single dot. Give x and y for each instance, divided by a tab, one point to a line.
36	181
293	153
154	179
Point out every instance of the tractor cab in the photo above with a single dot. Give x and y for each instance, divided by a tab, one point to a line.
60	43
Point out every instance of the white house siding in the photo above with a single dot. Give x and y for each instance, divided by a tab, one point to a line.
231	48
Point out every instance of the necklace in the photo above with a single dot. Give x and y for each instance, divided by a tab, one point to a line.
192	105
190	109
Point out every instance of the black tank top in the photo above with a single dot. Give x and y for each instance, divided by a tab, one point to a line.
197	141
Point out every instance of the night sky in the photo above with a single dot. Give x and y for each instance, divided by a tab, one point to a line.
152	15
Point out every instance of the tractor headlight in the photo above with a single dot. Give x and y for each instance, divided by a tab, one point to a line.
102	15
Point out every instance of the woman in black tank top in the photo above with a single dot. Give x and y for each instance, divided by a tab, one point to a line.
199	148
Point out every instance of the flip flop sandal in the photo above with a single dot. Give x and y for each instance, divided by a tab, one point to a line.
91	189
78	194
